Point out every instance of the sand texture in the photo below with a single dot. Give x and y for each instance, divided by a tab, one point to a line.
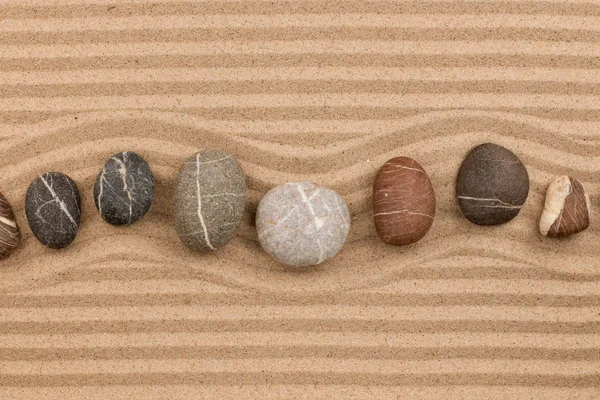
319	90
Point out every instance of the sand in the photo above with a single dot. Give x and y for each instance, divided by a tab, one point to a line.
310	90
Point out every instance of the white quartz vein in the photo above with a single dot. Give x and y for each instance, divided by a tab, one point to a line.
198	195
318	221
101	190
223	194
403	167
321	252
197	232
286	216
123	172
7	221
405	212
61	203
502	203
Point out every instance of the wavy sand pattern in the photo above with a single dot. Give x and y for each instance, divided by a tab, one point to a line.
318	90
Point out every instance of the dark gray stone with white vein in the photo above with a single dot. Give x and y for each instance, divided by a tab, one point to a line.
124	189
53	209
492	185
209	200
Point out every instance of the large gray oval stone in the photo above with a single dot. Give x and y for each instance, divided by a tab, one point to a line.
53	209
209	200
302	224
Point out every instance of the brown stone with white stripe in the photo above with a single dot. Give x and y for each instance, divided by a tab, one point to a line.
10	235
566	209
403	202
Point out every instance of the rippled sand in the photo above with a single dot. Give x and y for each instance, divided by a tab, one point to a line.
310	90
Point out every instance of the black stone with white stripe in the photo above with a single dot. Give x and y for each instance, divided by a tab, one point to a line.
492	185
53	209
124	189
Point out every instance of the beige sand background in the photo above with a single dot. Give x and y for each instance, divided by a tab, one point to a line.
313	90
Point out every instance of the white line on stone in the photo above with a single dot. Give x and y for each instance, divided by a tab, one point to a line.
285	217
510	207
321	252
123	172
7	221
200	217
61	203
7	228
504	204
101	190
403	167
403	211
223	194
318	221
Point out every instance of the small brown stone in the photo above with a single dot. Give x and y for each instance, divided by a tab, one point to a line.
567	208
10	235
403	202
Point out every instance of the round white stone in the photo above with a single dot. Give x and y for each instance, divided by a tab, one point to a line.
302	224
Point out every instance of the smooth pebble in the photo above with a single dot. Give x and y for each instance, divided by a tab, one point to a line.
53	209
566	209
209	200
492	185
302	224
124	189
403	202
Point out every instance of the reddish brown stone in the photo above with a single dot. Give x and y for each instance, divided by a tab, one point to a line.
403	202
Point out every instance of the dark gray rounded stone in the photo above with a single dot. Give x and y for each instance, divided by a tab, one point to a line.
124	189
209	200
302	224
492	185
53	209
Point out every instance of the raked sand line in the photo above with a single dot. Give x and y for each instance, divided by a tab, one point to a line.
399	130
416	21
81	8
269	278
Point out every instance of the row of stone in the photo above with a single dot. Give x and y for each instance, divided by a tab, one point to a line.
123	193
298	223
491	188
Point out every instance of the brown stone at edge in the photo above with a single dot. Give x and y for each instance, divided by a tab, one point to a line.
10	235
403	202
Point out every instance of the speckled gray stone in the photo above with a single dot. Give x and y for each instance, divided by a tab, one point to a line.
209	200
124	189
53	209
302	224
